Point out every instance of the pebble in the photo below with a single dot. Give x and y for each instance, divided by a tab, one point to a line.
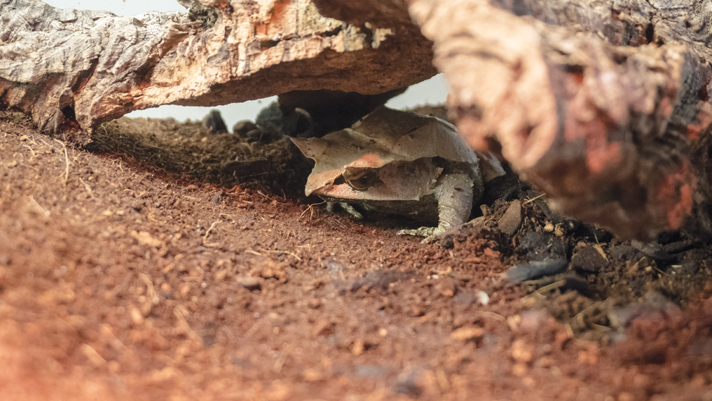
214	122
511	220
540	246
482	297
447	287
250	283
588	259
241	128
534	270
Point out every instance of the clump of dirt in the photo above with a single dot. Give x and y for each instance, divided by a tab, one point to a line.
140	268
222	158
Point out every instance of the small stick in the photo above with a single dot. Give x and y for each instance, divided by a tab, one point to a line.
283	358
205	237
44	212
30	148
284	252
66	159
86	186
533	199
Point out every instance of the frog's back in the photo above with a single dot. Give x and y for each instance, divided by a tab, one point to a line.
408	136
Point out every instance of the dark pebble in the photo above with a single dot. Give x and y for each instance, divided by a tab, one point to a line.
588	259
539	246
534	270
511	220
214	122
241	128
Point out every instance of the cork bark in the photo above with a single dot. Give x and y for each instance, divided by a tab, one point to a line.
602	105
72	70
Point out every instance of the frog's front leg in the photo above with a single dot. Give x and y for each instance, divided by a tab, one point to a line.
455	195
348	208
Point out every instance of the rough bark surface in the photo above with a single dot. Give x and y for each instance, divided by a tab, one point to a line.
603	105
73	70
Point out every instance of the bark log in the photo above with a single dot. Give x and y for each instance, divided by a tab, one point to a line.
603	105
72	70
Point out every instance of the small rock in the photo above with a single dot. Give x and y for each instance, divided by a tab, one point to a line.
588	259
482	297
653	250
447	287
297	124
534	270
467	333
314	303
214	122
241	128
217	197
270	118
510	222
250	283
680	246
540	246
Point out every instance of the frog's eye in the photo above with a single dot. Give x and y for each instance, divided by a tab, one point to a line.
361	180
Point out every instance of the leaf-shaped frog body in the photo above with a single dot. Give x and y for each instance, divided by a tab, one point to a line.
402	163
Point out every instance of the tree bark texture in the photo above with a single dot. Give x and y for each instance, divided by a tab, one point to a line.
72	70
603	105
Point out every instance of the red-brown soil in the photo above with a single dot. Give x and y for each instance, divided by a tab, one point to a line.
129	276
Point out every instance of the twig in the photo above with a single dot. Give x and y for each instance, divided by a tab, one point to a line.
284	252
205	237
310	209
37	205
495	316
533	199
66	159
86	186
283	358
31	150
184	323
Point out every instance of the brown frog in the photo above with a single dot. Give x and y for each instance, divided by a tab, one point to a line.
402	163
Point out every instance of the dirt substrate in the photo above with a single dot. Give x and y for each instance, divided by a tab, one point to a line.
163	262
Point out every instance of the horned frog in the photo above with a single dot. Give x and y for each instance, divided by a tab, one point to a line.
401	163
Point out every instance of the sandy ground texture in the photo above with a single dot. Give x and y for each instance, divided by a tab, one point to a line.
163	262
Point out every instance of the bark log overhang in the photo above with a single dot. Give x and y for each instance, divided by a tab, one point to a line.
604	105
72	70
